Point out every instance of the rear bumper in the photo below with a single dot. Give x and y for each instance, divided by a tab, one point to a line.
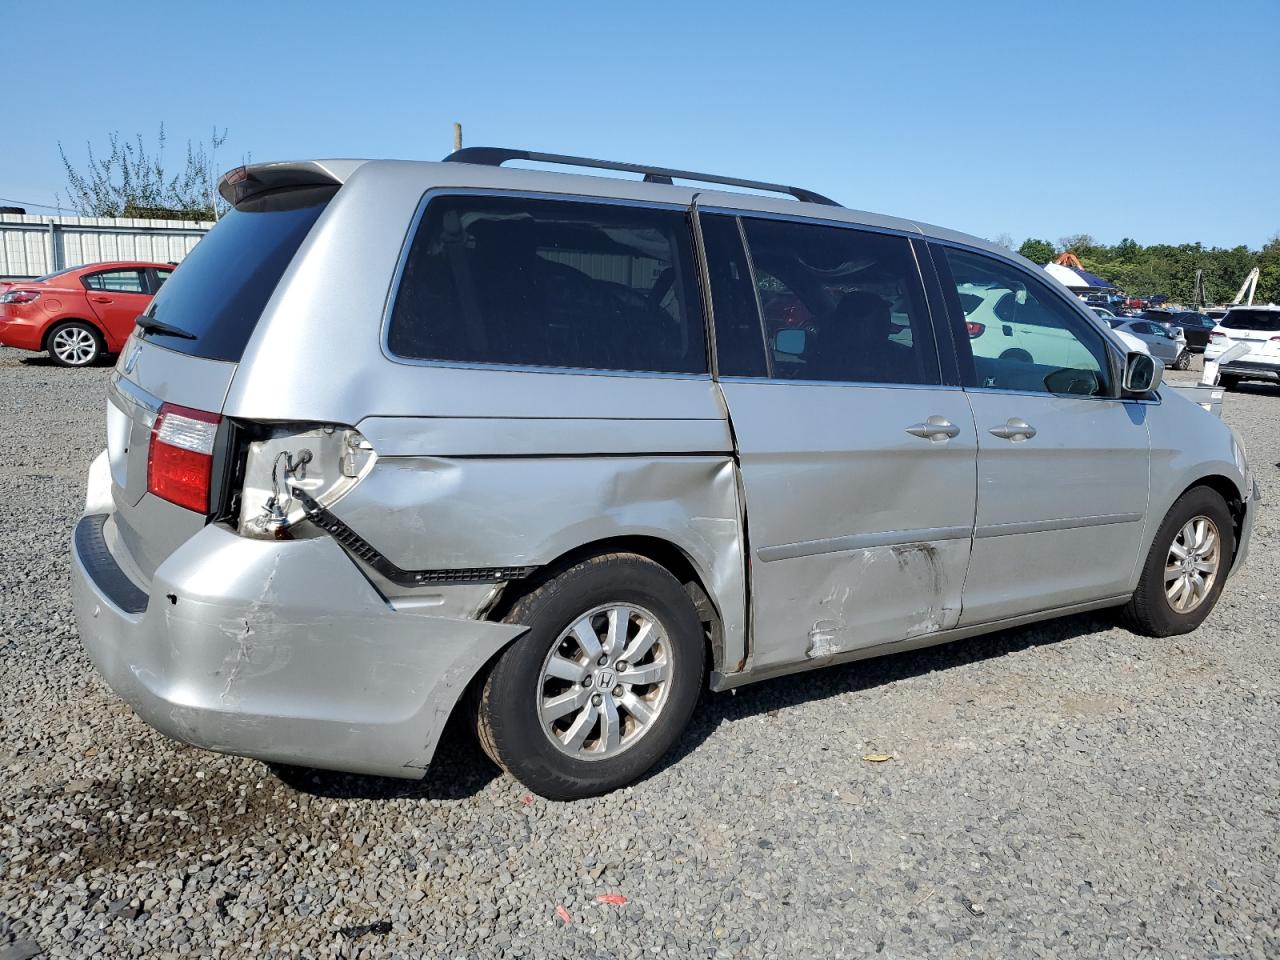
1254	371
23	334
279	650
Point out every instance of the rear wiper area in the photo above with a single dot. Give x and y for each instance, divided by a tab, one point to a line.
152	325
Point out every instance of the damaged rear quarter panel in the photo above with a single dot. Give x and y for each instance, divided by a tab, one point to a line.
439	512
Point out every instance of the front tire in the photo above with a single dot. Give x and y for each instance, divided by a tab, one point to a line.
75	344
1187	567
1229	382
603	683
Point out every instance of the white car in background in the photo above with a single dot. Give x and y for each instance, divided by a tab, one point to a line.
1011	325
1258	328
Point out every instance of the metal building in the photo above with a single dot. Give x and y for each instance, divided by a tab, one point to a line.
31	246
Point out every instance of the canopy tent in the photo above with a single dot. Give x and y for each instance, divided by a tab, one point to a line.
1067	269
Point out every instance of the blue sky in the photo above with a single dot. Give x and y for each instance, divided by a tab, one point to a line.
1155	120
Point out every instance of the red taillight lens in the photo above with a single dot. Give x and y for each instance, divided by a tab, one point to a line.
975	329
180	462
21	296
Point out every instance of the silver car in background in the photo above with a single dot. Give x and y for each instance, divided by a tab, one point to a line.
1168	344
402	438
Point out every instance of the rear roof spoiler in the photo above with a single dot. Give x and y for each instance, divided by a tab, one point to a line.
248	181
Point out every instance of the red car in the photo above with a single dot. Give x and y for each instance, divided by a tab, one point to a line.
81	313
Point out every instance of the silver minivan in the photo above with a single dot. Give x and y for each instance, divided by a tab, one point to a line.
399	439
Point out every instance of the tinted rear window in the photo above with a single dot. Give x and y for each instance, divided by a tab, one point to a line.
219	291
1252	320
550	283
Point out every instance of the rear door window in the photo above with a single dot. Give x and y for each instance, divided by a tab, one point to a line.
841	304
222	286
116	281
550	283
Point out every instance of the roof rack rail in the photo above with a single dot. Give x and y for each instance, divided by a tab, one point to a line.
497	156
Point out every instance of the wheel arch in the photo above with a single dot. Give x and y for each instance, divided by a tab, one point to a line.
665	553
63	321
1226	488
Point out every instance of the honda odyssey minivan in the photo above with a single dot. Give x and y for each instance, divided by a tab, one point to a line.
400	439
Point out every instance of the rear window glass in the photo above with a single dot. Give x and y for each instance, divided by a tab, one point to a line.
550	283
219	291
1252	320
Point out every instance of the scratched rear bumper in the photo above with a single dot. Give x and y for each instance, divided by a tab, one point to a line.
280	650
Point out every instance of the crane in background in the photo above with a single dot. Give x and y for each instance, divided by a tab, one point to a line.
1248	288
1199	293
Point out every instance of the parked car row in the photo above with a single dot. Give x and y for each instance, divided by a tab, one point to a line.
81	313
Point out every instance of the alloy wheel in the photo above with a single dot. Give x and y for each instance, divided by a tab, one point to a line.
1192	565
605	681
74	346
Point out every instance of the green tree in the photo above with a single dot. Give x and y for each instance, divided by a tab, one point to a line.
1037	251
1269	278
132	181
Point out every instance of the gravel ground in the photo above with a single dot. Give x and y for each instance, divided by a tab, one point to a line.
1064	790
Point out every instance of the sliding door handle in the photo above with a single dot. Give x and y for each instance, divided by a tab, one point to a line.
935	429
1016	429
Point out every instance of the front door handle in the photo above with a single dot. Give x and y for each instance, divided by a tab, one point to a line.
1016	429
935	428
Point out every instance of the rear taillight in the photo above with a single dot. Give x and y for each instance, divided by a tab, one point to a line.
180	462
21	296
975	329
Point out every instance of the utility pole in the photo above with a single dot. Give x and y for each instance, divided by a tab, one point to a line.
457	136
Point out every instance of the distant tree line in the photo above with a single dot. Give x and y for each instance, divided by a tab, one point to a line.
1167	269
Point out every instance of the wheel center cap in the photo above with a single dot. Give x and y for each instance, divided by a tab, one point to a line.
605	679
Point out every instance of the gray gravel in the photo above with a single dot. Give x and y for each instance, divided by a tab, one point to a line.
1064	790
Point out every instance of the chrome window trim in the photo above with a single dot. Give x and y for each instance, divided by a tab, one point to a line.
1148	401
412	232
861	384
815	219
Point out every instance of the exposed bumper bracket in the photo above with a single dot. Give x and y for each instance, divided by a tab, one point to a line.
361	549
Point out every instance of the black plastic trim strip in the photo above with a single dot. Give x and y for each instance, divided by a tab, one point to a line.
101	567
363	550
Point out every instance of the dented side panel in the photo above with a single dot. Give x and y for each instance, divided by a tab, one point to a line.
441	512
860	532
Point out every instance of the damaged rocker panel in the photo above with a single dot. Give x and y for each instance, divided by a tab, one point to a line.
361	549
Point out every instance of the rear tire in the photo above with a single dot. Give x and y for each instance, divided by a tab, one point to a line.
600	622
1016	354
75	344
1177	589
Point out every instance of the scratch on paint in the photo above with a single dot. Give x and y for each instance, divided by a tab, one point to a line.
244	649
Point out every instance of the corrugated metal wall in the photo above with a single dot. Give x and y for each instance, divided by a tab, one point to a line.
31	246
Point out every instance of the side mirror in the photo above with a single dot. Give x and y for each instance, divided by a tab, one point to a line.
1142	373
790	342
